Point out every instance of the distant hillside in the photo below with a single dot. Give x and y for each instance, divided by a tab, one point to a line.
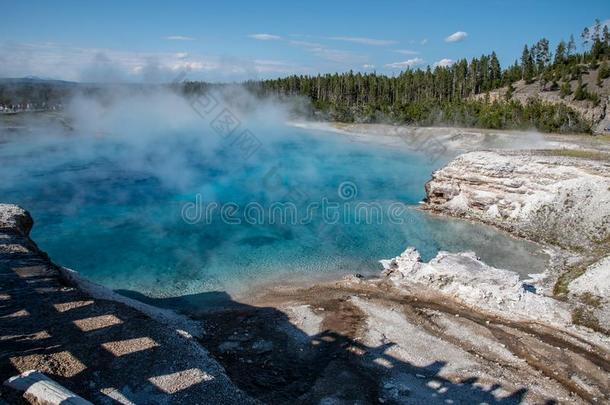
34	80
594	109
33	94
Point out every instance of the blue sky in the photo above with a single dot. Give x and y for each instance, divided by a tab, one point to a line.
237	40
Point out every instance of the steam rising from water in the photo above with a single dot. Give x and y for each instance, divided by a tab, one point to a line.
107	195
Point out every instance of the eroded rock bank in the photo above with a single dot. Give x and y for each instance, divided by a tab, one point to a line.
560	200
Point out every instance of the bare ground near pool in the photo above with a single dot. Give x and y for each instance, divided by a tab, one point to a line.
362	341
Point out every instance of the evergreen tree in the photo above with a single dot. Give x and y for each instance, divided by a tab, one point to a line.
604	71
571	49
585	36
597	47
495	71
560	53
527	65
445	94
580	93
597	30
541	54
565	90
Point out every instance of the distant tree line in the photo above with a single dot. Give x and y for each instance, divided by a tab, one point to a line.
448	95
27	94
18	95
444	94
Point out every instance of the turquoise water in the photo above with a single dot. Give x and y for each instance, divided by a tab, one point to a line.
111	207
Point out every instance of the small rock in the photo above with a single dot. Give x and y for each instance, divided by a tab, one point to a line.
229	346
435	385
262	346
239	338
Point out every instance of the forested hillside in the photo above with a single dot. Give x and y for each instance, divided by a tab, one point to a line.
452	95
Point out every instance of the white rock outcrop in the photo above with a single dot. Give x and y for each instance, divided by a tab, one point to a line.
595	280
465	278
562	201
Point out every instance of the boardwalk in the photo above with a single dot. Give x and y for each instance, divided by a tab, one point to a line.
99	349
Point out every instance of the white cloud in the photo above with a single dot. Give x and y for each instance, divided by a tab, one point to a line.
306	44
444	62
179	38
368	66
338	55
276	66
456	36
405	64
424	41
406	51
108	65
191	66
330	54
365	41
265	37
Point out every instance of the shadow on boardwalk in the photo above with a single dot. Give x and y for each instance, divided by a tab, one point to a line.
102	350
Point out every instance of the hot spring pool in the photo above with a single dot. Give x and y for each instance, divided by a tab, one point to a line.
126	210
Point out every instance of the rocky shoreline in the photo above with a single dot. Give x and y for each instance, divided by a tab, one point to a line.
452	329
562	201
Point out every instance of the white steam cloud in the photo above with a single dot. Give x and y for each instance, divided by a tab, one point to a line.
154	132
406	64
